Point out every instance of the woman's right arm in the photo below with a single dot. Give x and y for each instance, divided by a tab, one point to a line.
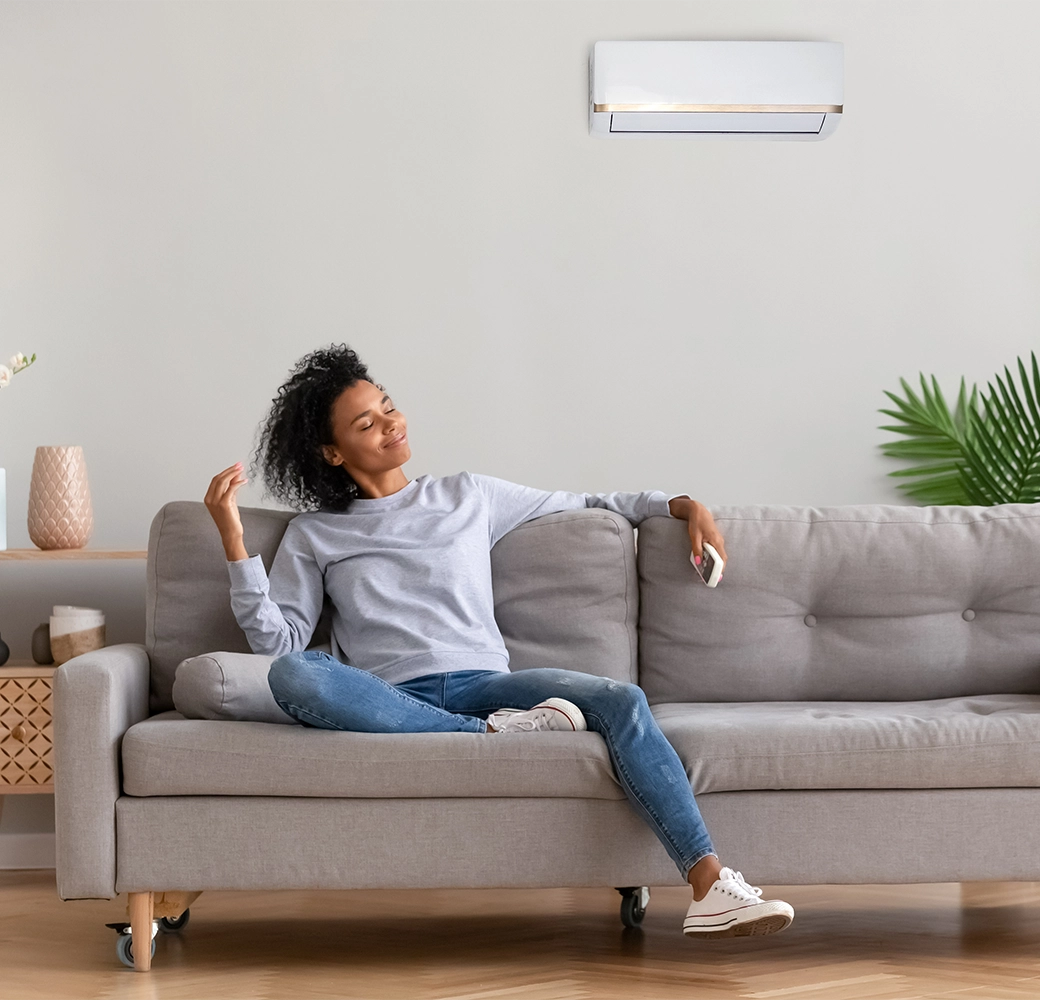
277	615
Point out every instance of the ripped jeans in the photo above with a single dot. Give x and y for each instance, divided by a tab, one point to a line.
318	690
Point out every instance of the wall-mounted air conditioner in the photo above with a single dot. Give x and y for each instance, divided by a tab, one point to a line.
716	90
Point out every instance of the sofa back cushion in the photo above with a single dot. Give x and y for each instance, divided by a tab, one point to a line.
861	603
565	590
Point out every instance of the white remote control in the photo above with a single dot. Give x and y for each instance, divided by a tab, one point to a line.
711	566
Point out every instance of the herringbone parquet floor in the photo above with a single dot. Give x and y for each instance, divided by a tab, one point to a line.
941	942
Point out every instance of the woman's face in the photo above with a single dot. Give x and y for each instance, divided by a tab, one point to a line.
368	431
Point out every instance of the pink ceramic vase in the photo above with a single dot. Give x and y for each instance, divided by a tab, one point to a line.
60	514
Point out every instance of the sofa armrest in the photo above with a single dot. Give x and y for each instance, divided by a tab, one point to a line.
98	696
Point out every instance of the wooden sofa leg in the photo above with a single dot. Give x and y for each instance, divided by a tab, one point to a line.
140	905
172	904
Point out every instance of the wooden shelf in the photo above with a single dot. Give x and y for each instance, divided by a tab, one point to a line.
27	668
34	554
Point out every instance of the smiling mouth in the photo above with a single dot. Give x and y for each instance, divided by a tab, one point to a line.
398	441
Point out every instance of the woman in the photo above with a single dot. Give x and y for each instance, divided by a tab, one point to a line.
415	646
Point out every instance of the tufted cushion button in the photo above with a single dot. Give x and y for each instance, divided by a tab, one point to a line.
968	615
810	620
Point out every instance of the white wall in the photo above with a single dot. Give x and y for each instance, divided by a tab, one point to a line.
194	195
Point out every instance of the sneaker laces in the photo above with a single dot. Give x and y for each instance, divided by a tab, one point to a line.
735	881
527	725
535	719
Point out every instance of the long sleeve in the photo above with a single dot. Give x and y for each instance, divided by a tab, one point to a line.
510	504
278	614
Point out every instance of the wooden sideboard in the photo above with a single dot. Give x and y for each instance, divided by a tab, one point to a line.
26	725
26	728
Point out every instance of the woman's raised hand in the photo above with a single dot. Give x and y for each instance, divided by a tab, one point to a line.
223	508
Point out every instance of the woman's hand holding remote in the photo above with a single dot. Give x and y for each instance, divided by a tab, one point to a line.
703	531
223	508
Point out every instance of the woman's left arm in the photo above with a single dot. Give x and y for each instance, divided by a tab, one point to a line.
701	524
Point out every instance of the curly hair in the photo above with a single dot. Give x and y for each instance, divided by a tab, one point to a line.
299	422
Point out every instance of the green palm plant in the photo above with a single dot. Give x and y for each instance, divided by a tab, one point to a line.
975	455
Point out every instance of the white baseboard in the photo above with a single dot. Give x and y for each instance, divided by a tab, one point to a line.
26	850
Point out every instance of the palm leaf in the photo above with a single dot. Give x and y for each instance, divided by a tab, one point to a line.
936	436
1030	398
974	455
985	460
1008	440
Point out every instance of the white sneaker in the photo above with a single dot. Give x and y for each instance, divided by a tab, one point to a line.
553	713
732	908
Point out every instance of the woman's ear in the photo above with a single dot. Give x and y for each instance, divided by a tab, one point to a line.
329	454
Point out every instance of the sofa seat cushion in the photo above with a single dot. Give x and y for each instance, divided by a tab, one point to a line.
985	741
170	755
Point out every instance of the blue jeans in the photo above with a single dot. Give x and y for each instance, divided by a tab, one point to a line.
318	690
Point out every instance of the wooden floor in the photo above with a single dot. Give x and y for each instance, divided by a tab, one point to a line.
972	942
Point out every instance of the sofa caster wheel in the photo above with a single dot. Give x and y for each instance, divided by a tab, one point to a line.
170	925
125	949
634	900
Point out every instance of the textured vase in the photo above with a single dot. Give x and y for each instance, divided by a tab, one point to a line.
60	514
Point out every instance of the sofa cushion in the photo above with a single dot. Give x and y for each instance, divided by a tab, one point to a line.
866	603
230	686
565	591
170	755
988	741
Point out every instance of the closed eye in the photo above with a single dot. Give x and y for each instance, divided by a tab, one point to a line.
369	426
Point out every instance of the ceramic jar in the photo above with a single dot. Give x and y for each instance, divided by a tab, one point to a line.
75	630
60	513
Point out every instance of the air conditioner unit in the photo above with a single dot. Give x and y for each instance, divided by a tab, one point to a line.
716	90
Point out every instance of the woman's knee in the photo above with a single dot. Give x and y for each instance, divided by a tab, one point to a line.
293	677
614	693
633	696
624	701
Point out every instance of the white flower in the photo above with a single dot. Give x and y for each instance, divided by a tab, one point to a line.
17	360
5	376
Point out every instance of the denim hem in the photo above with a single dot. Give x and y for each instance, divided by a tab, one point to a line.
689	867
303	715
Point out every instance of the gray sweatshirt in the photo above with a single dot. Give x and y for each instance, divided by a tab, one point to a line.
408	575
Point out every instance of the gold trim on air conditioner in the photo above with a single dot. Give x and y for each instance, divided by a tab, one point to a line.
724	108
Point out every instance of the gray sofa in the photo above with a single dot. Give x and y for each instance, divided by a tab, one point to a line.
857	702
